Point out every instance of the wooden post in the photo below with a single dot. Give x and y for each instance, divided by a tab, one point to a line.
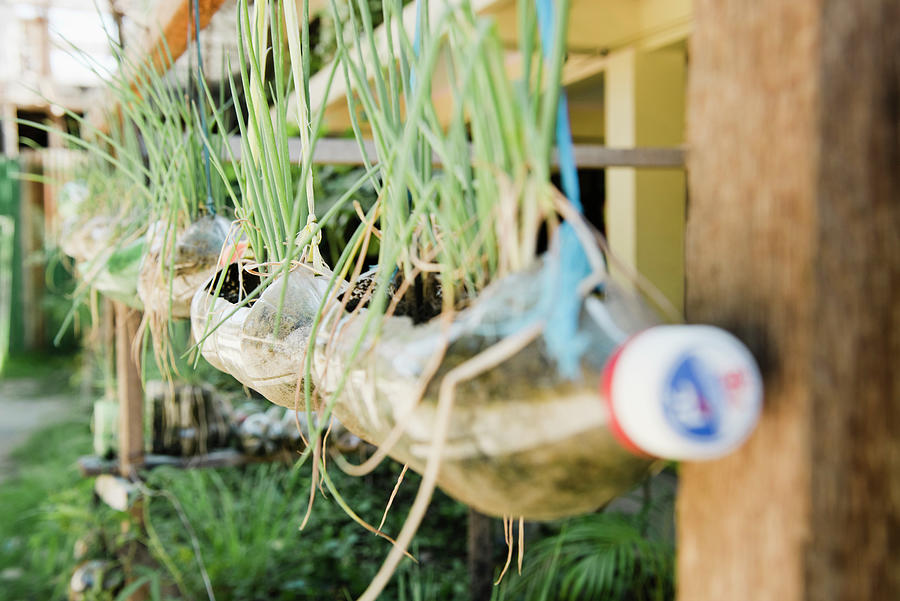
480	558
31	244
793	242
107	340
131	434
131	395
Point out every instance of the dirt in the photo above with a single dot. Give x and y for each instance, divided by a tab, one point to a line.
421	300
238	284
27	405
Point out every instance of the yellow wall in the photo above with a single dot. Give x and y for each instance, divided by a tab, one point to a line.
645	106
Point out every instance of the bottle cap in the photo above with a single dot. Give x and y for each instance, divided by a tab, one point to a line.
684	392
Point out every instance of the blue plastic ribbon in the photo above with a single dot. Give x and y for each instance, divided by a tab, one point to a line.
562	338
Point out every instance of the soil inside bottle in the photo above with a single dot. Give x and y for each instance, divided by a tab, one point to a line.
238	285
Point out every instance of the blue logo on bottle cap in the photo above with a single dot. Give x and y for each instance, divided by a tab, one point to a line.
693	400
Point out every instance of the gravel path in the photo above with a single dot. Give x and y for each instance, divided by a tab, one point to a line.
27	405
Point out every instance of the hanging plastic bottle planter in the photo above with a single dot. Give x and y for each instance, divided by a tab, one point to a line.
114	271
83	241
106	257
521	439
481	402
168	280
242	340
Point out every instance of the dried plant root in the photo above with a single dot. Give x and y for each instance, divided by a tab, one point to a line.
393	494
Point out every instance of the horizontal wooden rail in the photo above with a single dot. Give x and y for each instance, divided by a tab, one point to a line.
345	151
91	465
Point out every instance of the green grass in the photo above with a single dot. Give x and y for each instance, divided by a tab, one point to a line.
246	522
599	557
46	508
246	525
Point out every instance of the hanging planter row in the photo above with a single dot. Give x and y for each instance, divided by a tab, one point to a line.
148	273
531	397
522	381
521	439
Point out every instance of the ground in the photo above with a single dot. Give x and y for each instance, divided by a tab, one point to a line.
29	403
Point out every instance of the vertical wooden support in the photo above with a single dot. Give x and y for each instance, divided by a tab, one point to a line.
107	340
55	138
131	431
793	242
130	392
480	558
644	100
31	246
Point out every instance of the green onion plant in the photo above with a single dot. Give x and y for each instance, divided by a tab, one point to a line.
478	215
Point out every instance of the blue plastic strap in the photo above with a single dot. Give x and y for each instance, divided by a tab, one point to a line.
561	336
417	46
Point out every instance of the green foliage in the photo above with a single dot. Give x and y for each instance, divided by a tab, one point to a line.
59	305
480	215
608	556
54	371
46	508
246	524
245	521
332	182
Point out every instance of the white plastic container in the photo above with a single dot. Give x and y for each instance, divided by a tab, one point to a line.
682	392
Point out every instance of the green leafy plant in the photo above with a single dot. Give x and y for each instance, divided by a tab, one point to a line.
604	556
623	553
274	201
470	222
245	525
46	509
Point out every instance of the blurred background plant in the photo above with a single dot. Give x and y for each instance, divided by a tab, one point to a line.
245	521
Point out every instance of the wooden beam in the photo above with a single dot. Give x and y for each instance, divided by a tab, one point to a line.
170	31
600	26
793	244
596	28
31	243
10	130
345	151
578	68
174	20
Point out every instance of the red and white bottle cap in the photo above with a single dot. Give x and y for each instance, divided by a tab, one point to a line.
682	392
